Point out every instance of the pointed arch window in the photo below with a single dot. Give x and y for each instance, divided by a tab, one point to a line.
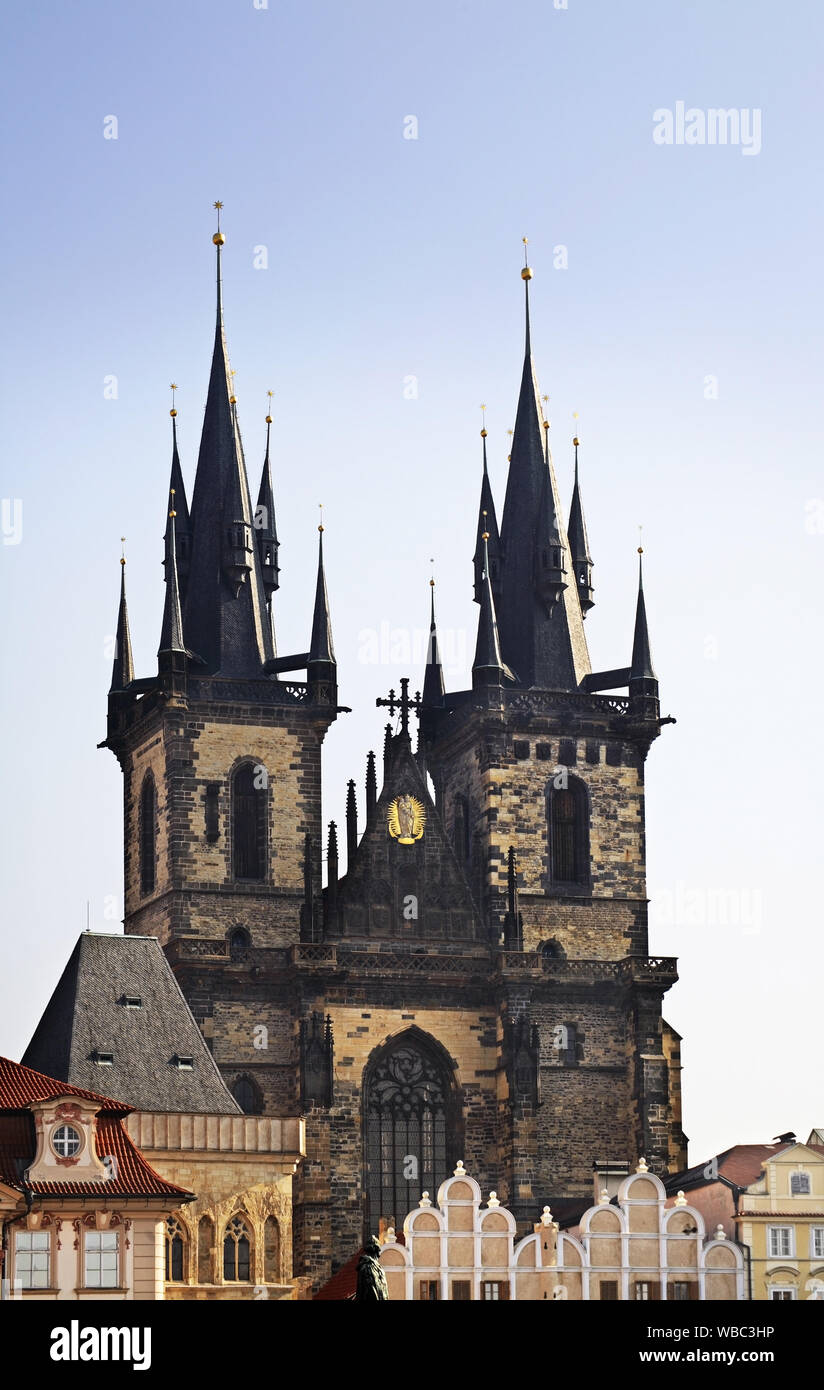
174	1251
568	825
247	1094
412	1122
148	834
237	1249
249	794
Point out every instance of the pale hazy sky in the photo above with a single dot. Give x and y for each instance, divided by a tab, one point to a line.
684	328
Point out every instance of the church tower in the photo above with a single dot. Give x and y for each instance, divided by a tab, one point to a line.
540	776
220	754
473	982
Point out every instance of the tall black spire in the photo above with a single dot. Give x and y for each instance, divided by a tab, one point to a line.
542	634
225	608
123	665
487	521
579	545
183	529
265	526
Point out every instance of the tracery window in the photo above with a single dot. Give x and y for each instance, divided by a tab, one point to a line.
410	1118
174	1251
236	1251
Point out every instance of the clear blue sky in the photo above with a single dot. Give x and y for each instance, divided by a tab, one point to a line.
390	258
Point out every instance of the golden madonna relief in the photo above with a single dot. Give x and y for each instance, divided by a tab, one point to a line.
406	819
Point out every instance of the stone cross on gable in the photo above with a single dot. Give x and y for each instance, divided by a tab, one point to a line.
403	703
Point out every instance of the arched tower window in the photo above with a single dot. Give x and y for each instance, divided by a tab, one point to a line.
568	819
174	1251
271	1251
148	832
461	830
237	1249
249	787
247	1095
411	1127
239	943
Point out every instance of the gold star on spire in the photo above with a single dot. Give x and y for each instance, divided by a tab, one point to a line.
218	237
270	394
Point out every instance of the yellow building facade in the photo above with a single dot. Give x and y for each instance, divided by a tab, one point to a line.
781	1220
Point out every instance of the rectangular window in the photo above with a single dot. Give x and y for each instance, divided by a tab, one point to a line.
104	1059
543	751
682	1290
647	1290
521	748
817	1242
780	1241
461	1291
496	1289
608	1291
430	1290
782	1295
800	1184
593	751
32	1259
102	1263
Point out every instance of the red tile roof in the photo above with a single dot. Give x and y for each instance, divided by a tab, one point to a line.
19	1086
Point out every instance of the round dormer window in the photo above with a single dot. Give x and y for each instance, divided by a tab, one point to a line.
65	1141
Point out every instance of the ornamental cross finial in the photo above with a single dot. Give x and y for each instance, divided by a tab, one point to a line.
403	703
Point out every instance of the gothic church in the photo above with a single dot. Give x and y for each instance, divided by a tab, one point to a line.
475	981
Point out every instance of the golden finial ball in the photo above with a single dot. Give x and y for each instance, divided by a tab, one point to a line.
173	413
526	273
485	536
575	441
546	424
483	434
233	400
640	550
123	559
218	238
268	419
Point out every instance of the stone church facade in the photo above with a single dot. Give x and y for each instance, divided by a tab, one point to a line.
474	981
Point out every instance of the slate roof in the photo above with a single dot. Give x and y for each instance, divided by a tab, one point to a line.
19	1086
87	1014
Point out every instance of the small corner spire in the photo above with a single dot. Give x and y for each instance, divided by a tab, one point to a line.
487	522
371	786
642	668
123	665
433	683
321	647
171	632
579	541
488	668
264	521
183	530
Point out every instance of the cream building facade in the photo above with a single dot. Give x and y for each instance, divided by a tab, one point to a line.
781	1220
630	1249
